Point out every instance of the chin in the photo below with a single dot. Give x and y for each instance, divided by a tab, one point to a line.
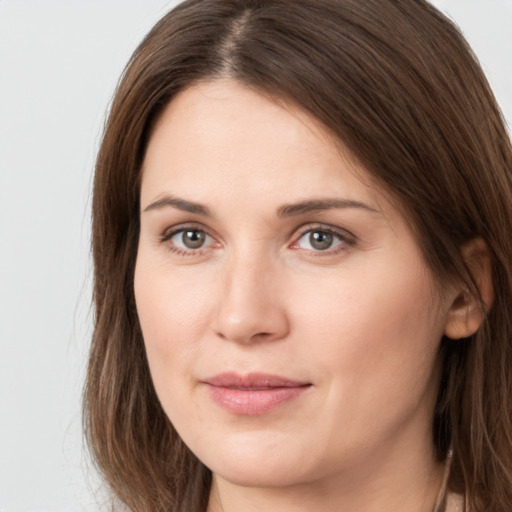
261	473
251	464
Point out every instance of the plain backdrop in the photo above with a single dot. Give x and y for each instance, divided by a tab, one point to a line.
59	64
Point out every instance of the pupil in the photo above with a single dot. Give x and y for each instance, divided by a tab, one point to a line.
193	239
320	240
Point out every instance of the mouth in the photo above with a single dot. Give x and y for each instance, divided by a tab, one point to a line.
253	394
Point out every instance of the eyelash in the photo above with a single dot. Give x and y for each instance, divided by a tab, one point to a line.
345	238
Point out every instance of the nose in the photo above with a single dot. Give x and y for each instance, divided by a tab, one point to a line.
251	307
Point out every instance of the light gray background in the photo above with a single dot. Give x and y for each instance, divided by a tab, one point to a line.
59	63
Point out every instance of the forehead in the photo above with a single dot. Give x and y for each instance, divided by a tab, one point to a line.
225	139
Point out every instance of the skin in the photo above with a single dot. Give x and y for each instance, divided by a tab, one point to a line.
360	321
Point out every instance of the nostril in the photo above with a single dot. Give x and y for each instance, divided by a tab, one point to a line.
240	337
263	334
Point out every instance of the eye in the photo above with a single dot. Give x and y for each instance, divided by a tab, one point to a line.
318	240
188	239
323	240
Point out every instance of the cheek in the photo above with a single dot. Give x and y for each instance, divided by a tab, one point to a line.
173	309
372	338
374	331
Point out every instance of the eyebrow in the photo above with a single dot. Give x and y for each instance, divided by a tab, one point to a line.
319	205
287	210
180	204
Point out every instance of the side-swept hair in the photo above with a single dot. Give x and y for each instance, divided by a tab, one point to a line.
396	83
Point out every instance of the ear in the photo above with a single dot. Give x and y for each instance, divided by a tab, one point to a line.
466	313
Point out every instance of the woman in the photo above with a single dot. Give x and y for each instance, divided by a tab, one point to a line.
303	284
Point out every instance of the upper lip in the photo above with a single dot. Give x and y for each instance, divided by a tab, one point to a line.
253	381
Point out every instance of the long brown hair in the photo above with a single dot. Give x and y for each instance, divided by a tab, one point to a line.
395	81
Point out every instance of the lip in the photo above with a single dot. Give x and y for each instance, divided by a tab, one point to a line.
253	394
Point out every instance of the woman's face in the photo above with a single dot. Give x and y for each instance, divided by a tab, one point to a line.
290	322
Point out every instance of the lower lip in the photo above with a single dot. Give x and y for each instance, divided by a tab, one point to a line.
254	402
